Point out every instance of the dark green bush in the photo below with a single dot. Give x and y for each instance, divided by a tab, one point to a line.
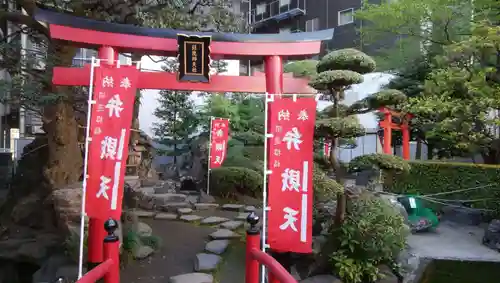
242	161
226	182
372	234
436	177
253	152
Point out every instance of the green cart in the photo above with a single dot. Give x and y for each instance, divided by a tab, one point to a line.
420	217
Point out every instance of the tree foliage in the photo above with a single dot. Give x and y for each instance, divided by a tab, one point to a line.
461	95
63	109
178	122
456	54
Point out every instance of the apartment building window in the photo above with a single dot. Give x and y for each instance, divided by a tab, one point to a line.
284	2
346	17
312	25
260	9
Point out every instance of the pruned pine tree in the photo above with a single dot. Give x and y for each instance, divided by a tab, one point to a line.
334	74
177	121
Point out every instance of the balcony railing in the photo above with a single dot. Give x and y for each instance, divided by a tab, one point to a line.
278	10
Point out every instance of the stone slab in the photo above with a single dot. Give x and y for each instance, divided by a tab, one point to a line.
232	225
222	234
184	210
190	218
206	206
144	214
165	216
232	207
197	277
217	246
211	220
206	262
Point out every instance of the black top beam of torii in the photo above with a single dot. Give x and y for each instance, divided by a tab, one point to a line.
62	19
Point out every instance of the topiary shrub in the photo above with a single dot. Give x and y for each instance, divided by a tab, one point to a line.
245	162
379	161
227	182
303	68
253	152
373	234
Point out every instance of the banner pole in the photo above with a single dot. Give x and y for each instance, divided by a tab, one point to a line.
209	156
85	167
265	208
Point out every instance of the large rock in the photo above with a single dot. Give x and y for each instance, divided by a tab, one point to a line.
491	236
33	248
68	206
462	215
168	186
54	267
142	251
164	199
398	207
144	230
412	266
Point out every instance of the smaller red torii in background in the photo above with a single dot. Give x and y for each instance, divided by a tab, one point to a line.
388	125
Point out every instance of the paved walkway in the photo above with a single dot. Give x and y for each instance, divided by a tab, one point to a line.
452	241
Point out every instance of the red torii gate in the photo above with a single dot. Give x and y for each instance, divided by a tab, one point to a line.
387	125
111	39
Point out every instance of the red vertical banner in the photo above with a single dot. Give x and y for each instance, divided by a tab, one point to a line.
290	183
218	141
327	147
111	118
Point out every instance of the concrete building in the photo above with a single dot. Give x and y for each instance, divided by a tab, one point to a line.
281	16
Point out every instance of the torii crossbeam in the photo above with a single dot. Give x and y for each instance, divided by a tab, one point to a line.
125	38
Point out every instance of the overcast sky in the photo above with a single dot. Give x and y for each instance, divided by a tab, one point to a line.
149	101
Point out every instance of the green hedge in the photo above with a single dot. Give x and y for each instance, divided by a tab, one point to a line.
227	181
436	177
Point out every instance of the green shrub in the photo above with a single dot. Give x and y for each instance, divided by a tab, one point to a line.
245	162
372	234
227	181
436	177
253	152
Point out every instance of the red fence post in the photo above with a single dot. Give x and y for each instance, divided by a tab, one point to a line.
111	250
253	242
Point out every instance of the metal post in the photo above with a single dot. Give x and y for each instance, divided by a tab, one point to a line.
209	156
96	233
85	168
273	66
111	249
252	243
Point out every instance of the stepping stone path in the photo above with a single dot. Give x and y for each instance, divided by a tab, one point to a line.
185	207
